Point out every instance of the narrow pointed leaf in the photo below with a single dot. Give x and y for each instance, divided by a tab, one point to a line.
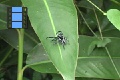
47	18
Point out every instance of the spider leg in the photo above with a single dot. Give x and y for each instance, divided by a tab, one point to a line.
51	37
59	32
63	43
67	41
54	40
63	46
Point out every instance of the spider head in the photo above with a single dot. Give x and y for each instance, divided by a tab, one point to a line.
59	33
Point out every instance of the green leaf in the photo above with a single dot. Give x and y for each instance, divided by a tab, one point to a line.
36	55
103	43
84	3
4	52
11	2
111	33
98	43
56	77
38	60
97	65
3	11
47	17
92	47
3	16
11	37
84	78
37	76
114	17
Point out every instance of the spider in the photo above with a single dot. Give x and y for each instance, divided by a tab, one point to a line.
59	39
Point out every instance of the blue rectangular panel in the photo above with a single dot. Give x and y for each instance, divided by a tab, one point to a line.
16	24
16	9
16	16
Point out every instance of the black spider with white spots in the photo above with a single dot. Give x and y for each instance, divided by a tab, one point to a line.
59	39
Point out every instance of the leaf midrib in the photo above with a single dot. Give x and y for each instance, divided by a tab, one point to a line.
96	57
52	22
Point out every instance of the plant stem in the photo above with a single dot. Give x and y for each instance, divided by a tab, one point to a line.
25	68
20	54
116	2
98	25
86	22
96	7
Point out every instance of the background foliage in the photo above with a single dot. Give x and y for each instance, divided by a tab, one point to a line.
93	62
